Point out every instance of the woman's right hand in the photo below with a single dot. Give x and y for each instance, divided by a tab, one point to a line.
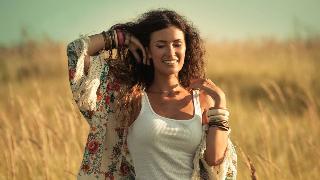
135	45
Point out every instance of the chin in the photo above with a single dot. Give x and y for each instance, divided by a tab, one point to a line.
170	71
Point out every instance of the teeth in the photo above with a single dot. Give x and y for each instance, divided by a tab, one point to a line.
170	62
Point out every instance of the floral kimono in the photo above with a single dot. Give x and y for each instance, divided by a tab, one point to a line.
106	155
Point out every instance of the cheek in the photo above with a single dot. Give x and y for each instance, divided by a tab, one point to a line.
182	54
157	53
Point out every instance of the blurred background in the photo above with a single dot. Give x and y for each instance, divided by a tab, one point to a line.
264	54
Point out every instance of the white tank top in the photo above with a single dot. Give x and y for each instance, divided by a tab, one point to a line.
164	148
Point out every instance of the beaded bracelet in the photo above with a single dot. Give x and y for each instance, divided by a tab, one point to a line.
222	117
219	118
222	124
112	42
218	111
116	38
105	39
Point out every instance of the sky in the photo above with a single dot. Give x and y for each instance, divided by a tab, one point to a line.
65	20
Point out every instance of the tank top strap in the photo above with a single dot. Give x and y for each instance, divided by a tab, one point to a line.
144	100
196	102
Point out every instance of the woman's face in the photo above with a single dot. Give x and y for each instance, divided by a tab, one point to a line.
167	49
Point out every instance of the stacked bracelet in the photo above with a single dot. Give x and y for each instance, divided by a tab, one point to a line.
219	118
107	40
113	42
115	39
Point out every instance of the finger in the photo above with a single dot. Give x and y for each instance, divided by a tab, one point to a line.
210	82
197	85
144	57
195	80
136	56
188	88
202	84
127	39
137	43
133	40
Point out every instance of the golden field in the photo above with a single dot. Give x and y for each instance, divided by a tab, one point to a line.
272	86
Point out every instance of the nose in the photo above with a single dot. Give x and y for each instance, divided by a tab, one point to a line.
171	51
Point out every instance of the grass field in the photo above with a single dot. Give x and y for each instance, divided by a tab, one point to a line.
273	91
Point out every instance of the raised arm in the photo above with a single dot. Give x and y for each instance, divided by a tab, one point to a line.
86	65
219	157
96	43
84	84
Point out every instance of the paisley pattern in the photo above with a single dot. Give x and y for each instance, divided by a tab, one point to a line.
106	155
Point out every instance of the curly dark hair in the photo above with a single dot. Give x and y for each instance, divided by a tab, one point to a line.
137	76
142	29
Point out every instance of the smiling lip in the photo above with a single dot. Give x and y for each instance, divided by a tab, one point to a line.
170	62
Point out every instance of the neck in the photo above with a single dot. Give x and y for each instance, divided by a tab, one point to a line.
165	84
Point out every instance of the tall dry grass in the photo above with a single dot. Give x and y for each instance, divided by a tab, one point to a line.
273	94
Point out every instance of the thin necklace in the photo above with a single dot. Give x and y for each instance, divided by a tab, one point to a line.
169	92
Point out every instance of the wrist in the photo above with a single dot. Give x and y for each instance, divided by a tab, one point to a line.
218	118
115	39
219	101
107	40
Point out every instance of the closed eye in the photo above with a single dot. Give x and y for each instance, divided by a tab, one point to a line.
160	46
177	45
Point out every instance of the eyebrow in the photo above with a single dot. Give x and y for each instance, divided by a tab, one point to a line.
163	41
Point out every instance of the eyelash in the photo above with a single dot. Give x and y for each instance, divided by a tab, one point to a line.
175	45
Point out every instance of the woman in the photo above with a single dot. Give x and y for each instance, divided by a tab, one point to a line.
152	115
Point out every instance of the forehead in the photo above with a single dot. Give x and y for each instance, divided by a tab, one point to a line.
168	34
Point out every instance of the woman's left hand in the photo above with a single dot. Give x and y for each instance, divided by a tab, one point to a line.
212	90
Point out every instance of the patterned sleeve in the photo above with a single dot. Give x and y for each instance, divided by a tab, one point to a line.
227	170
85	88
